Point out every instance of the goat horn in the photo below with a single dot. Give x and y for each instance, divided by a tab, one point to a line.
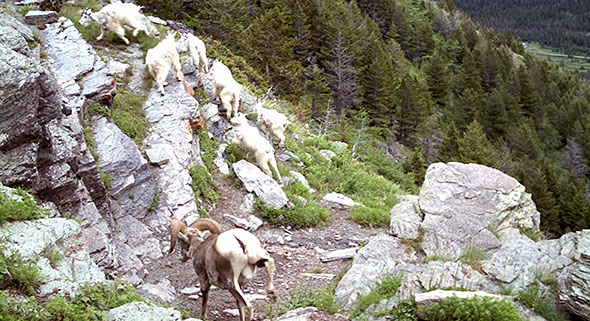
175	227
207	224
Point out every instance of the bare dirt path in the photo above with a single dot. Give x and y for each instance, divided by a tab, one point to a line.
299	253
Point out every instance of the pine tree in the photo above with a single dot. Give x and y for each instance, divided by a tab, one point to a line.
417	166
474	147
437	75
317	91
224	20
377	82
271	48
412	105
449	147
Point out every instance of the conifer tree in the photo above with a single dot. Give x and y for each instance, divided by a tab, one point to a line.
449	147
437	75
271	42
413	104
224	20
377	82
474	147
417	166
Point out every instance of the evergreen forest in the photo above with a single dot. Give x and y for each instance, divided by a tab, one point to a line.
561	24
419	82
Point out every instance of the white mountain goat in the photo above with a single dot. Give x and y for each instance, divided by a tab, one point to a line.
159	60
225	88
251	141
197	50
227	260
272	122
115	16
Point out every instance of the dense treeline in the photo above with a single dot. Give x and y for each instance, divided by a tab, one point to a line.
422	79
561	24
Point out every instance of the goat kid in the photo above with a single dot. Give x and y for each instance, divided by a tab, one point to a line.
227	260
115	16
161	58
225	88
198	52
272	122
251	141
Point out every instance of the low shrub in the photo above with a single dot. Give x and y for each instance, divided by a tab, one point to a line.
203	184
20	205
478	308
26	274
539	300
300	217
384	289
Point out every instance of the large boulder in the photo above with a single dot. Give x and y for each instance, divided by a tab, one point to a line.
576	291
466	204
33	239
262	185
131	182
21	84
383	255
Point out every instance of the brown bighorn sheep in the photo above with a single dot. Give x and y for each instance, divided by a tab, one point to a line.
227	260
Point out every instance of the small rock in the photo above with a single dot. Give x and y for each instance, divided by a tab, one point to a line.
339	254
191	290
35	17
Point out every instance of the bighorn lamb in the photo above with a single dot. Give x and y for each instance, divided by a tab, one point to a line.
159	60
251	141
115	15
198	52
225	88
272	122
227	260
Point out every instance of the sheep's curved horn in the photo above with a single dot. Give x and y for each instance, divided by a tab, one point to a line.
175	227
208	224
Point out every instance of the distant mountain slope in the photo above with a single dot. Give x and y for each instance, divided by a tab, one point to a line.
561	24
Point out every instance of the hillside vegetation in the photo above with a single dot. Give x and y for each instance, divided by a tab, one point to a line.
418	82
556	23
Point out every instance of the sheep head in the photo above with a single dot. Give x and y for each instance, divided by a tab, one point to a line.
196	233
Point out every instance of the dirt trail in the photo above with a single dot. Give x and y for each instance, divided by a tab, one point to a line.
296	256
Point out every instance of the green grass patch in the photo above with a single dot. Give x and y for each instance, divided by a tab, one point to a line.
203	184
155	201
300	217
403	311
53	255
384	289
20	205
127	113
416	243
478	308
473	256
208	148
345	175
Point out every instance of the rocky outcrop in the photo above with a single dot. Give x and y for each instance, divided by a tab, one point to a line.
462	205
576	290
262	185
405	218
465	204
42	140
34	239
381	256
132	185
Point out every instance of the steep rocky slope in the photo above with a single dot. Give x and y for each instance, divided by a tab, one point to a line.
49	81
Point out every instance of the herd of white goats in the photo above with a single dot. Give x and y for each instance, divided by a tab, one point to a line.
227	259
